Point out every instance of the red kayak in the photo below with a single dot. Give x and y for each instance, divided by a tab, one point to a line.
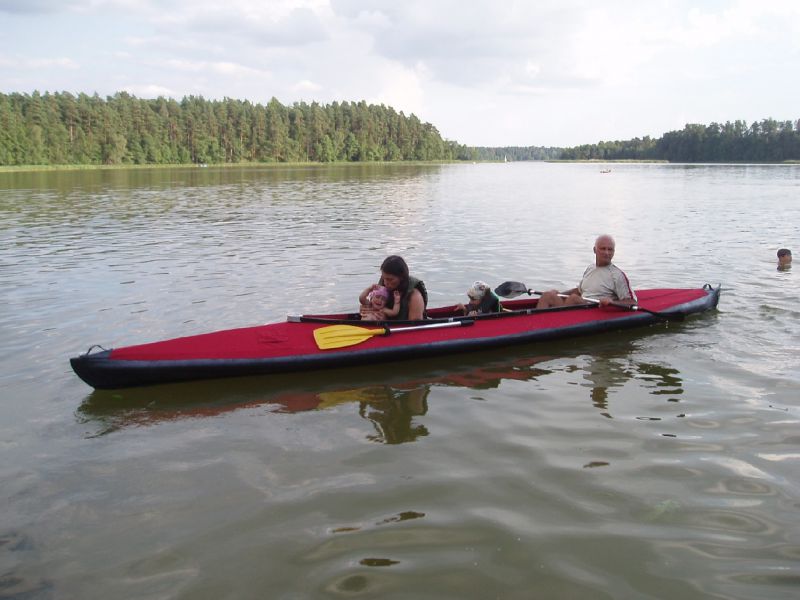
311	342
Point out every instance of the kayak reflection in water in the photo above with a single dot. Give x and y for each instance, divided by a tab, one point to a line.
392	412
608	372
395	277
603	281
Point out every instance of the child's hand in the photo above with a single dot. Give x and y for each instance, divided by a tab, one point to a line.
396	296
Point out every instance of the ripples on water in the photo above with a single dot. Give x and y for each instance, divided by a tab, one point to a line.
645	464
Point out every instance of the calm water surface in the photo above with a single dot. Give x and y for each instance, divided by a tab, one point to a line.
660	463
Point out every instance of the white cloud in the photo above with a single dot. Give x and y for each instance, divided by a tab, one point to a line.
212	67
225	68
306	87
532	69
401	87
149	91
229	68
28	6
31	63
551	72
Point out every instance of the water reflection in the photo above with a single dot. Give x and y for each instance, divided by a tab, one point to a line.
66	181
605	371
393	398
388	396
391	409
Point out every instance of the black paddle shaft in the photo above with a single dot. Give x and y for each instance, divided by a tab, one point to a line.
512	289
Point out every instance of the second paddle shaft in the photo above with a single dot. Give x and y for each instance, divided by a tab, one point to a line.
595	301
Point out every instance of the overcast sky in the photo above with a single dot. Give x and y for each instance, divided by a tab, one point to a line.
484	72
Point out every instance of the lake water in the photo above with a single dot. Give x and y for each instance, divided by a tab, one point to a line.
659	463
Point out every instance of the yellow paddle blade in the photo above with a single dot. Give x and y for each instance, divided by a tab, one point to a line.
339	336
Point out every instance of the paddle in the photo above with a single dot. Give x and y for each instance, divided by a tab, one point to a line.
633	307
512	289
339	336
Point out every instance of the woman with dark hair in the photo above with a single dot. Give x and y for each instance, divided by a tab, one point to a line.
395	277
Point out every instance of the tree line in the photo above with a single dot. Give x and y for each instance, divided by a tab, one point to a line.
767	140
61	128
514	153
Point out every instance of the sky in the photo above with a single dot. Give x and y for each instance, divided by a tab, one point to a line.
483	72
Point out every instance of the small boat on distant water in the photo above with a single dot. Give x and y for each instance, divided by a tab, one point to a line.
312	342
606	171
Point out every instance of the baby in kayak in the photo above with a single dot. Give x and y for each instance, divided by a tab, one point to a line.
481	300
375	307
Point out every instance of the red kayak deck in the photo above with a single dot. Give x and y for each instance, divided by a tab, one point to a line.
291	346
294	339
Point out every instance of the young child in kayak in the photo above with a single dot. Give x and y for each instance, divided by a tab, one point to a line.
375	307
482	300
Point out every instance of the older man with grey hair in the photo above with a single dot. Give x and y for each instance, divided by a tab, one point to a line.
603	281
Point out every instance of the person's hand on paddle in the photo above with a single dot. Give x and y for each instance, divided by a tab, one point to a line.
625	303
466	310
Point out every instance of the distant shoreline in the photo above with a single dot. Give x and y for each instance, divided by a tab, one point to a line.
342	164
601	161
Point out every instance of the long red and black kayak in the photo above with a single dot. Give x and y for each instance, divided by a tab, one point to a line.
311	342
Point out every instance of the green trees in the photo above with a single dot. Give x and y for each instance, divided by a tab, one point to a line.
512	153
42	129
764	141
59	128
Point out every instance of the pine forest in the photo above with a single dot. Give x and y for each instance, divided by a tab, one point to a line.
64	129
60	128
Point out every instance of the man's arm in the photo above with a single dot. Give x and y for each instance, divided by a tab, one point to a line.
623	289
626	301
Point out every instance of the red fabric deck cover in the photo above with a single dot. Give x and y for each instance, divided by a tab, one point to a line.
296	339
